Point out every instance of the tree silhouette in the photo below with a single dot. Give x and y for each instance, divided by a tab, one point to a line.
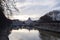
8	5
5	23
50	17
54	13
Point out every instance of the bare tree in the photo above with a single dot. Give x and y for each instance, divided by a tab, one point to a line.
4	22
8	5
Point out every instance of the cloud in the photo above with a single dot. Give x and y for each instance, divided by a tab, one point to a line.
57	3
39	7
36	2
25	17
21	1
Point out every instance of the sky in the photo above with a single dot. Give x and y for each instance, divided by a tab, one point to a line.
35	8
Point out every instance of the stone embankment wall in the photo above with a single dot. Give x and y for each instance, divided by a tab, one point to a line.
49	26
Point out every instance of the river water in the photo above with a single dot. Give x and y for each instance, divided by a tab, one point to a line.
25	34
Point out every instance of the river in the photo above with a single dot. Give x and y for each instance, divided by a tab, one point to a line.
25	34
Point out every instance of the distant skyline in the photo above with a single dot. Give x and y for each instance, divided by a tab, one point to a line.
35	8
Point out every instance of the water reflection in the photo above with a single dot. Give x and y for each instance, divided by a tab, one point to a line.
25	34
46	35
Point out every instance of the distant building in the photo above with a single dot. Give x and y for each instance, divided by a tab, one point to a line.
17	23
29	21
58	17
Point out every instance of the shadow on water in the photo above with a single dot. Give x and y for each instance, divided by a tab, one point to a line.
46	35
